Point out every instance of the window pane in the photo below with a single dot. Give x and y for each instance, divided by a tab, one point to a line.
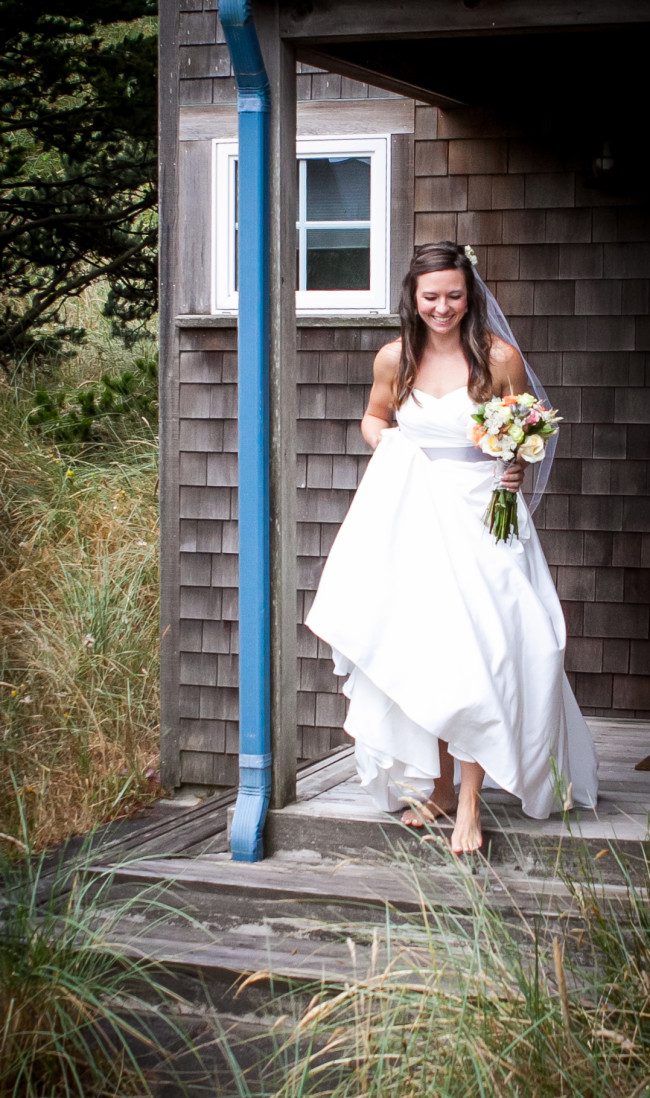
338	189
338	259
236	245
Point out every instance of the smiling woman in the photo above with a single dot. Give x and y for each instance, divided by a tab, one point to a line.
441	299
458	674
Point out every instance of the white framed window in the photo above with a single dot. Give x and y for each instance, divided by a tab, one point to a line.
342	228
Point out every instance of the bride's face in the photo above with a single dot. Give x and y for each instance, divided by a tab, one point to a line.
441	299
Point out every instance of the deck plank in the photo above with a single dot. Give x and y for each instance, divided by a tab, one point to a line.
353	882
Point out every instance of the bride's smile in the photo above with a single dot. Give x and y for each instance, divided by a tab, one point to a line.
441	300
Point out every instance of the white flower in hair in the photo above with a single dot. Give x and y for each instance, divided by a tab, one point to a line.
471	255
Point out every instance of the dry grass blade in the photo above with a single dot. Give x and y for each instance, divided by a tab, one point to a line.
78	627
490	1010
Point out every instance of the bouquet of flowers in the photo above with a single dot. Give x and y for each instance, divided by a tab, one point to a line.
508	427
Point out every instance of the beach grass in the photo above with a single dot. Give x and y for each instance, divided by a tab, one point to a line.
471	998
79	694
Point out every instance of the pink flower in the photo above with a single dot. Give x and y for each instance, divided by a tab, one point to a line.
532	417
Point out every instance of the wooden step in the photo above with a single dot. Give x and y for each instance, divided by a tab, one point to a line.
349	828
280	885
255	941
289	928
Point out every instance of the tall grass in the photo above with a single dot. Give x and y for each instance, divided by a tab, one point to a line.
78	617
478	999
79	1017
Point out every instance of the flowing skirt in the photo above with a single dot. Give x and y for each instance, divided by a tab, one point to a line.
444	634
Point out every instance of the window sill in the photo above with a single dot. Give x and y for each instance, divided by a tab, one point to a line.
203	320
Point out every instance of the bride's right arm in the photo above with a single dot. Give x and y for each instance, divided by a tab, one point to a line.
379	411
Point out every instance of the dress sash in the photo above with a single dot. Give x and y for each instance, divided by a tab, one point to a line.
456	453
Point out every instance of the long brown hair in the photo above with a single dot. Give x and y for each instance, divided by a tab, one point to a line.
475	337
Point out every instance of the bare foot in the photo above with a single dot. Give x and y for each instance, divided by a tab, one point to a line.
442	804
467	836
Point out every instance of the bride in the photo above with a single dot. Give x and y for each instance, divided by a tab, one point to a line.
452	644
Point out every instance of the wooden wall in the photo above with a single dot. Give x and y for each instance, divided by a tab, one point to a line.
200	675
570	266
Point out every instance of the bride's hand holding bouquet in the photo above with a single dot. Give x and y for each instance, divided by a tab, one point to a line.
510	428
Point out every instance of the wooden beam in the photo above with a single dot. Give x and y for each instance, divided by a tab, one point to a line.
280	65
402	171
315	117
341	21
169	395
326	59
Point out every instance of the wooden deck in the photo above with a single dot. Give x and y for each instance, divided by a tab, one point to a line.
336	898
334	816
621	813
329	873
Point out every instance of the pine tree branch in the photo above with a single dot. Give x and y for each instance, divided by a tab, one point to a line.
126	214
43	302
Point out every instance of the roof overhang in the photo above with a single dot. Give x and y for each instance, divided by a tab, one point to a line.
573	72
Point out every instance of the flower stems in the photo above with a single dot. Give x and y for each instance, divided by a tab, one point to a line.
501	515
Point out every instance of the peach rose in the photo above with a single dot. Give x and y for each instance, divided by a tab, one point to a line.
532	449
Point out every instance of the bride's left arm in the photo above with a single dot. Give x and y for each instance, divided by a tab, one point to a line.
509	375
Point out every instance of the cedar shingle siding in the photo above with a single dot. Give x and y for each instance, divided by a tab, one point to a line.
572	268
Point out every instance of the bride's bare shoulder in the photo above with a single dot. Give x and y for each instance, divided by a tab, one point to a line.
507	367
502	353
387	361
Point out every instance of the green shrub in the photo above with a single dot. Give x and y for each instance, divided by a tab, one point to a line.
110	409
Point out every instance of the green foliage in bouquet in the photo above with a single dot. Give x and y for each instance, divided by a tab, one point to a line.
511	427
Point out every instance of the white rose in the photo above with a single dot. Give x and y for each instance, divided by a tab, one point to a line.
487	445
496	447
532	449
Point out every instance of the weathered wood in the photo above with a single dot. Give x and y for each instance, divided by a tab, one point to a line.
338	768
169	419
281	68
536	851
195	241
341	819
401	213
339	21
330	60
282	957
198	322
183	830
348	883
208	122
366	116
314	118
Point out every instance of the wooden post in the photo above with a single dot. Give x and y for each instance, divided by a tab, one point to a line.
169	411
280	65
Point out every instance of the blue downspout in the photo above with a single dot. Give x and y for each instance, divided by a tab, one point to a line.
253	414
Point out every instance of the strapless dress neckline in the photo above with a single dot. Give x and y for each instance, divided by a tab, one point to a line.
458	389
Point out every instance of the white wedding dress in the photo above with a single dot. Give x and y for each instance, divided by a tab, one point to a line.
442	632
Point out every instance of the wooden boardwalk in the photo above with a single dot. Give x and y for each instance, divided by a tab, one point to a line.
337	898
622	811
334	816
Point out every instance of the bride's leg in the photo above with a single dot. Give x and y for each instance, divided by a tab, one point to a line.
443	799
467	835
